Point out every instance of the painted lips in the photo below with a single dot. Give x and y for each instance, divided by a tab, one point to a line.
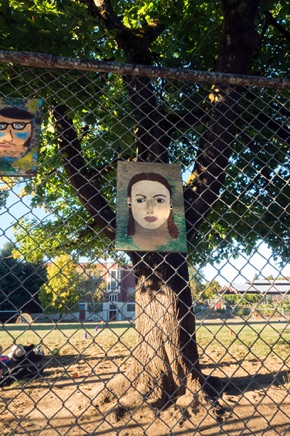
150	219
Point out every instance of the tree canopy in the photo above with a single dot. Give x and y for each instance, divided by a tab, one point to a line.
186	34
19	282
67	283
60	293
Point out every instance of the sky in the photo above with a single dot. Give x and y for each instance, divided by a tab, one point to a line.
228	271
246	268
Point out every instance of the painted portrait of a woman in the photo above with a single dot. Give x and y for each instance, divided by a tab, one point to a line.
151	213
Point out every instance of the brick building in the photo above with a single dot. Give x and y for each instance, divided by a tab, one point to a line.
117	284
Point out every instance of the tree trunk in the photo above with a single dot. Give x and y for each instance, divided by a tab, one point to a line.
164	365
166	357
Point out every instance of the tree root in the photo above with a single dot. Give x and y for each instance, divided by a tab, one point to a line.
120	400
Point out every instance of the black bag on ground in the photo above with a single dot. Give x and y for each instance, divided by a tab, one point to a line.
23	364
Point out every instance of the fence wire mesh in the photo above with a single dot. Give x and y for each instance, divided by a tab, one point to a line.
97	341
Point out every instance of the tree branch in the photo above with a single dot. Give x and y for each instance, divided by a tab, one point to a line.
88	191
151	138
272	22
208	176
238	43
103	10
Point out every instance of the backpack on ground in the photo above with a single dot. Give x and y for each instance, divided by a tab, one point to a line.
22	363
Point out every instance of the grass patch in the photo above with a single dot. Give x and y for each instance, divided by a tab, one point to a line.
257	341
62	340
252	340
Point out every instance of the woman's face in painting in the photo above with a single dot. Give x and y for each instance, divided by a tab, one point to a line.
13	136
151	204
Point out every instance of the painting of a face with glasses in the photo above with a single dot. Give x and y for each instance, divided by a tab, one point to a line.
19	136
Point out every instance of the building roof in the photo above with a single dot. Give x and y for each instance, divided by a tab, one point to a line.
278	287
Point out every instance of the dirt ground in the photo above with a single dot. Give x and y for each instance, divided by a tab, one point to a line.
256	401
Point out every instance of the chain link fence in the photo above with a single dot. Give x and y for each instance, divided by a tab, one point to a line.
101	342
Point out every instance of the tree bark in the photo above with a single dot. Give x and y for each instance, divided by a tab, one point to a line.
166	355
239	40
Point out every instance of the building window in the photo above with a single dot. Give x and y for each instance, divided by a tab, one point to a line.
115	274
114	285
130	294
131	307
114	279
113	297
131	297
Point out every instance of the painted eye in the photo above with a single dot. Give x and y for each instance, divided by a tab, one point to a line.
159	200
18	125
3	126
140	200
